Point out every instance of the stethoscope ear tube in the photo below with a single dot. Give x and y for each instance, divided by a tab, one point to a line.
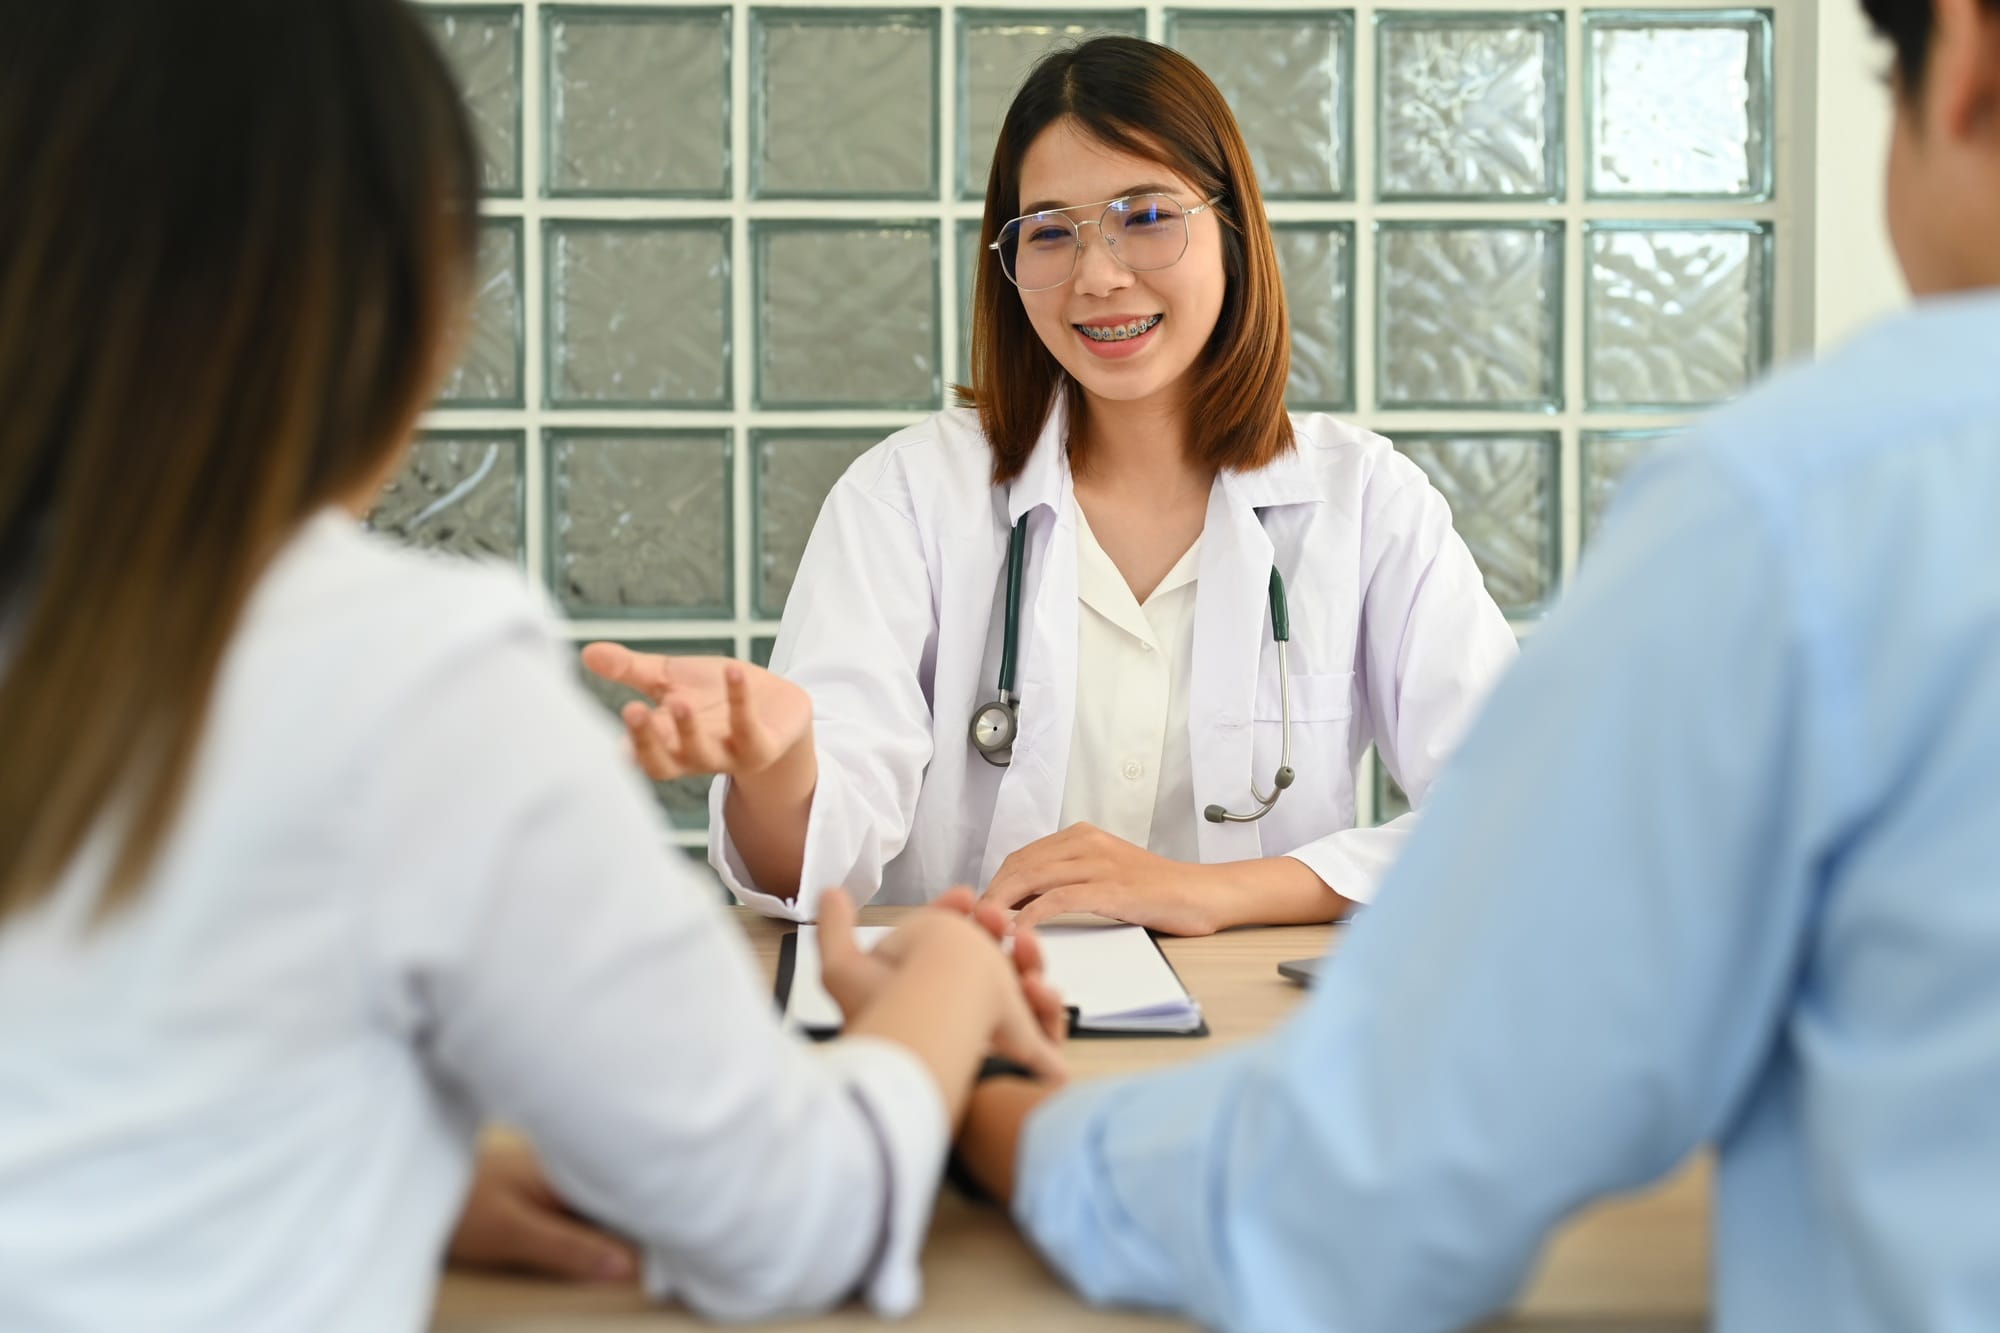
1010	634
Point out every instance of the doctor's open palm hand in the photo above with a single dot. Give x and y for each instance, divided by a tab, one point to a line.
708	714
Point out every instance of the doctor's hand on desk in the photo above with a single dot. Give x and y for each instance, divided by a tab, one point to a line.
708	714
1084	869
960	941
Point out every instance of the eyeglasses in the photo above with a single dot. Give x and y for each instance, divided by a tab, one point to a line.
1143	232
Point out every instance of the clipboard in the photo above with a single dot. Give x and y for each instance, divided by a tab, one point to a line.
788	957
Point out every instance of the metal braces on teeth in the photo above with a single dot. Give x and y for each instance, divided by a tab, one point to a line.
1120	332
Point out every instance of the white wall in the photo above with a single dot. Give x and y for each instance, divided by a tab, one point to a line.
1854	271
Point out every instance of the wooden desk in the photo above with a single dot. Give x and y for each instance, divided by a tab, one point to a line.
1635	1266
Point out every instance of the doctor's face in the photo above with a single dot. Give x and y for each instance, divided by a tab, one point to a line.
1123	336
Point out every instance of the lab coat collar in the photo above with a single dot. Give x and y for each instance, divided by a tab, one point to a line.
1285	480
1045	480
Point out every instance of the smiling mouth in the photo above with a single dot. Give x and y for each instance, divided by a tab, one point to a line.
1118	333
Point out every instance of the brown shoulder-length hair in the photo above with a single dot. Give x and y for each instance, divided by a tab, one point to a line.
1150	101
237	236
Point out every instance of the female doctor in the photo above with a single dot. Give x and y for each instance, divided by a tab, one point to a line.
1113	637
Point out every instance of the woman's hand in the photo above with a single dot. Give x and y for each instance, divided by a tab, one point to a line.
1031	1020
513	1219
1085	869
708	714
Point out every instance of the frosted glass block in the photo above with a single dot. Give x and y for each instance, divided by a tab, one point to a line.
459	491
1316	262
1287	78
489	372
1469	315
1678	105
846	104
1390	800
1676	316
483	47
638	314
847	315
685	800
761	649
972	256
639	522
791	472
996	49
1607	455
1469	106
1503	491
638	101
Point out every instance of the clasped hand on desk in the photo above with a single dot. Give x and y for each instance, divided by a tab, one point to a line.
513	1217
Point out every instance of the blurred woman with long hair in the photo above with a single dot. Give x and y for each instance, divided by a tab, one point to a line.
283	914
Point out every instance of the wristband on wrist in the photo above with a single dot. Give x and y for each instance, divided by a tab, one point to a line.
956	1173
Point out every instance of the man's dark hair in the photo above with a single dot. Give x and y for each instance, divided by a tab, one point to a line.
1908	24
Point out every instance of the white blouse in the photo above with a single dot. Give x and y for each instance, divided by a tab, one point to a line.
1130	771
415	883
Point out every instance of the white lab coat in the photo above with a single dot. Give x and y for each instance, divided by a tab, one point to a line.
894	628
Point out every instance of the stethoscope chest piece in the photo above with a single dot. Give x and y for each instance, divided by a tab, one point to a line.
995	724
993	727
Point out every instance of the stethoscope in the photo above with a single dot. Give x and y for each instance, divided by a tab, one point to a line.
994	724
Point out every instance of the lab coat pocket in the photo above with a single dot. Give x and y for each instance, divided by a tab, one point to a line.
1316	696
1321	799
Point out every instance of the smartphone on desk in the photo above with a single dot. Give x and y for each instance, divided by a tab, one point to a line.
1305	971
1301	970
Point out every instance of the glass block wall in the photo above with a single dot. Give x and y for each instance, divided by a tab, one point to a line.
729	246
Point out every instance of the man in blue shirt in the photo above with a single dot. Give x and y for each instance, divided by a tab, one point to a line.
1720	864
